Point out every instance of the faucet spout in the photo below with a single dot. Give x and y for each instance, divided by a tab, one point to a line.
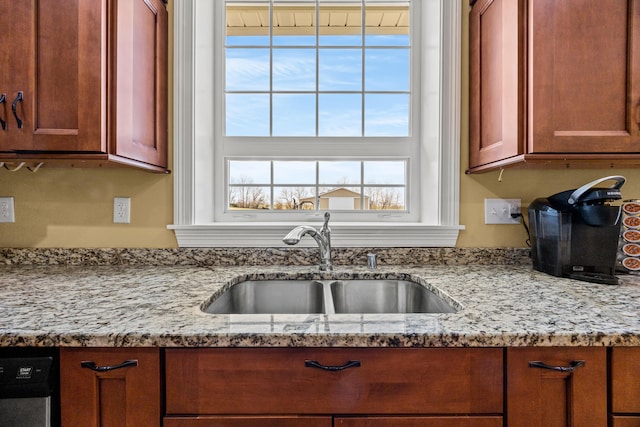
322	238
294	236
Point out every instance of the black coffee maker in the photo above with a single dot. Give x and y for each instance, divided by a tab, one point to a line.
575	233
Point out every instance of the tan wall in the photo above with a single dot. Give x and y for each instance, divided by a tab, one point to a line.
73	208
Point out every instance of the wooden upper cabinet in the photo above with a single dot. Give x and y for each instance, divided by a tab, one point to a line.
554	83
93	79
140	81
581	73
496	121
16	72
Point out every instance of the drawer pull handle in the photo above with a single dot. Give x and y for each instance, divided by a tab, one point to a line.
349	364
93	367
572	366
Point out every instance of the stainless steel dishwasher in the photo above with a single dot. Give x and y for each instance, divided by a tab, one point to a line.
28	392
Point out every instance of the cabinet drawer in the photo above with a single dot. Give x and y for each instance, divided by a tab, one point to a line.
620	421
385	381
625	388
247	421
494	421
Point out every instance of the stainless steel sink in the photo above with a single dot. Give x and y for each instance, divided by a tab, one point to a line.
270	297
327	296
385	296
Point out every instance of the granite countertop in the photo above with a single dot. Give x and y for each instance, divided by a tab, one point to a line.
500	305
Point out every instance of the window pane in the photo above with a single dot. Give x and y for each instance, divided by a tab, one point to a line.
294	198
294	115
294	69
340	69
249	172
386	198
340	115
387	25
246	23
294	23
293	172
386	70
249	197
386	115
248	40
340	199
247	69
247	115
386	172
339	173
340	23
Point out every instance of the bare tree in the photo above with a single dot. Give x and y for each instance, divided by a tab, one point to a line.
246	196
291	198
381	198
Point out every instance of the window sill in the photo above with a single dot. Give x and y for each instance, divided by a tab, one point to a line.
347	235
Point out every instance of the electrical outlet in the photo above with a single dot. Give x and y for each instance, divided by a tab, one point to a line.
498	211
7	213
121	210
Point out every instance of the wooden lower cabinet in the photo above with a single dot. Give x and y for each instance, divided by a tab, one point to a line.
110	387
239	421
624	421
312	381
556	387
624	386
479	421
303	421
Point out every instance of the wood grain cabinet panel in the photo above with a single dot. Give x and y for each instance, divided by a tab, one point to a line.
625	386
560	397
477	421
92	75
625	421
128	396
497	67
244	421
373	381
554	83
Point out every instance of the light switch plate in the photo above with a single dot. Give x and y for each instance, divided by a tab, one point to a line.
7	213
498	211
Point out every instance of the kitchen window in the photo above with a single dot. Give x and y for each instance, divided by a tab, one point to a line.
278	119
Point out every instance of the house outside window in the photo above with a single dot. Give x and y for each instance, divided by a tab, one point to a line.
279	120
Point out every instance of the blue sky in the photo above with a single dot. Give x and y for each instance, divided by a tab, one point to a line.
293	74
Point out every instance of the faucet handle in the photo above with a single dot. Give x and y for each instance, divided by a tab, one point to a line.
371	261
325	226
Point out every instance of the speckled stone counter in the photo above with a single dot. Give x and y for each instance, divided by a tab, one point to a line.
137	305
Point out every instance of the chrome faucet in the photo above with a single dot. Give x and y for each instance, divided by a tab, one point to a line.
322	238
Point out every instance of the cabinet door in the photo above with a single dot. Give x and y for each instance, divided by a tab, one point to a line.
420	421
139	81
562	397
584	76
625	387
232	421
16	72
496	79
110	396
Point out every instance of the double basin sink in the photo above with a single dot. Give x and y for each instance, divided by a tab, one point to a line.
328	297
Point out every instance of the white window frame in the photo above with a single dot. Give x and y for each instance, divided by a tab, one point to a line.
437	224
